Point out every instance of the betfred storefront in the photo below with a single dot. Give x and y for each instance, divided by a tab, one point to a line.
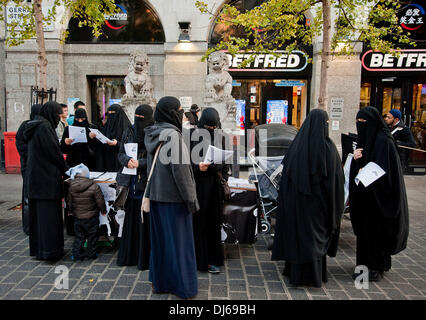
399	81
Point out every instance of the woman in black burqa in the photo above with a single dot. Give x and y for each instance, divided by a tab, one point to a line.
379	212
45	168
310	203
134	244
82	152
22	147
207	221
106	154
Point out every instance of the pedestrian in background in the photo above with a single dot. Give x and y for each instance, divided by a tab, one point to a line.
173	199
208	220
63	121
45	168
134	244
22	147
379	212
77	105
310	203
195	110
85	201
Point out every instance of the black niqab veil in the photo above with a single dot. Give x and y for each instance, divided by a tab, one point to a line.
305	162
167	111
210	117
367	131
81	114
116	122
35	110
51	111
141	123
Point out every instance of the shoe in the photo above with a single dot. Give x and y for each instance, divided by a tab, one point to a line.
374	276
213	269
76	259
95	256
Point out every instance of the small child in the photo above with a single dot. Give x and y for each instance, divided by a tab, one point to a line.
84	199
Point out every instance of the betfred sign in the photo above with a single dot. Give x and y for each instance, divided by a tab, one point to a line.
408	60
285	62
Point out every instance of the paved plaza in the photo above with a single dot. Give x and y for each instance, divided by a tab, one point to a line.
248	272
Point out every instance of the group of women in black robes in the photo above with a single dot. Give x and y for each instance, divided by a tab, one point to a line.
135	243
207	221
379	212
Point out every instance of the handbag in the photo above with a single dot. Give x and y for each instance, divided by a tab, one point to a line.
226	191
145	200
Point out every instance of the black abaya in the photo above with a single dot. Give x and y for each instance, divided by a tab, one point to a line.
379	212
207	221
310	203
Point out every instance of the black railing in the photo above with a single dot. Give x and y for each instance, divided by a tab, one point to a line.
42	96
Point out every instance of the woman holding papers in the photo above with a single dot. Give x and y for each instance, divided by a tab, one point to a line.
310	203
45	168
173	200
106	154
134	244
79	152
207	221
379	212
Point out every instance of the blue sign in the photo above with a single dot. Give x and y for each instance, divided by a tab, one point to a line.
112	101
276	111
236	83
240	113
290	83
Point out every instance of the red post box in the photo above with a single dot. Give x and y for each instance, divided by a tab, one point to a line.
11	155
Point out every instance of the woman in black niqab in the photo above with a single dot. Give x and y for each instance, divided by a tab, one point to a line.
379	212
135	242
167	110
51	111
310	203
106	154
207	221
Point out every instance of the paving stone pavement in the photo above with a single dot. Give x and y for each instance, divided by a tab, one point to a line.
248	274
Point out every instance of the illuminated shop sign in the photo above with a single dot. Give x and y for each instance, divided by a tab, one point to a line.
285	62
117	20
412	17
408	60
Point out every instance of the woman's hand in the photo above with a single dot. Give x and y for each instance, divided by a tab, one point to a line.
68	141
358	153
92	135
130	164
113	143
204	166
135	163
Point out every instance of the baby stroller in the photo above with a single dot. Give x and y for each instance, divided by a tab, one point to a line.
267	168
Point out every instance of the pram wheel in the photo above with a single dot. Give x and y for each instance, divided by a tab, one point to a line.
265	227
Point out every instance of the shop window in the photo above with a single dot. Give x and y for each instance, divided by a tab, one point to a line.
418	114
136	23
391	99
365	97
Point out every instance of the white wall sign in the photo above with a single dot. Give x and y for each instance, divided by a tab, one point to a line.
186	103
335	125
15	12
336	108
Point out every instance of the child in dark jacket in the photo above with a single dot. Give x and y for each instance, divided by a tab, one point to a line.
85	200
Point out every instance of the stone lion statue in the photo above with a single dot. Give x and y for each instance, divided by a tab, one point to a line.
218	81
138	82
219	87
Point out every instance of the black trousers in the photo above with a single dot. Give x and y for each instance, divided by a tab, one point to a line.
85	229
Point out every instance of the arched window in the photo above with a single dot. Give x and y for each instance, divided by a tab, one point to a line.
136	23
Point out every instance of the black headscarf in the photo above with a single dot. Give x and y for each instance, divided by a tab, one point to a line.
141	123
167	111
210	118
116	122
80	114
305	162
367	131
35	110
51	111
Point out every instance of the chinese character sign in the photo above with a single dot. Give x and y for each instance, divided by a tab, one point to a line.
412	17
276	111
